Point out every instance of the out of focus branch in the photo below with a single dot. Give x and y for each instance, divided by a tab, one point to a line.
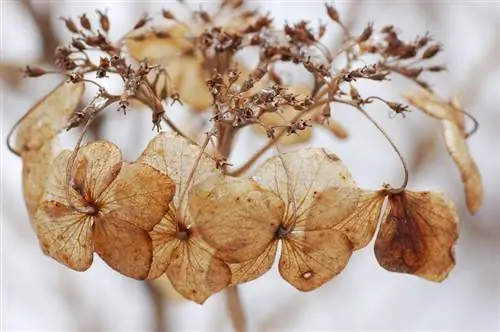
42	20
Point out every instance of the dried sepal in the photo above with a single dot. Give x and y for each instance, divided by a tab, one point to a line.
235	216
418	234
361	225
36	165
452	121
178	248
48	117
251	269
471	177
96	201
306	177
311	258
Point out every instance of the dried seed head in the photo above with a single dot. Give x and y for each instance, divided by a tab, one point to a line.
76	43
70	24
431	51
366	34
167	14
103	20
142	22
332	13
34	71
85	23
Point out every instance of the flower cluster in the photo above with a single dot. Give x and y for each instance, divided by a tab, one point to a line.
180	210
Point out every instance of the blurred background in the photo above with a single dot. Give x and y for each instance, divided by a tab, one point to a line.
39	294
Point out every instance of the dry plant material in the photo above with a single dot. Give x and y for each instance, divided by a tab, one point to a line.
178	248
301	197
176	213
108	206
418	235
452	121
48	117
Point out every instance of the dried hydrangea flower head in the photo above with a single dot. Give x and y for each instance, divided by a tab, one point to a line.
108	206
182	212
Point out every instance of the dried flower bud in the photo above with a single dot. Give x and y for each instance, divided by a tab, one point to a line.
326	112
103	20
354	93
76	43
76	77
431	51
70	24
85	23
332	13
410	72
366	34
436	68
387	29
34	71
321	30
397	107
167	14
142	22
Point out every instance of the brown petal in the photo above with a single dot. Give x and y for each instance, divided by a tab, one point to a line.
310	259
254	268
458	150
165	242
139	195
96	165
175	156
36	167
48	117
300	177
360	226
195	272
235	216
418	234
124	247
65	235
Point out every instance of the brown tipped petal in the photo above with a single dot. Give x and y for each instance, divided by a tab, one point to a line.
65	235
139	195
360	226
309	260
458	150
235	216
165	242
49	117
124	247
254	268
417	235
196	273
95	166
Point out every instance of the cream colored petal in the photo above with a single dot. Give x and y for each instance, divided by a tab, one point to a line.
300	176
254	268
175	156
95	166
48	117
65	235
458	150
418	235
174	42
235	216
195	272
139	195
124	247
165	241
310	259
361	225
430	104
36	168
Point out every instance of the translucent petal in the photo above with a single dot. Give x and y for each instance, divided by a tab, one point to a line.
254	268
65	234
124	247
235	216
48	117
195	272
164	237
310	259
139	195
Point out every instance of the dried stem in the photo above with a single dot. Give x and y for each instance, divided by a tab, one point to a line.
233	305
